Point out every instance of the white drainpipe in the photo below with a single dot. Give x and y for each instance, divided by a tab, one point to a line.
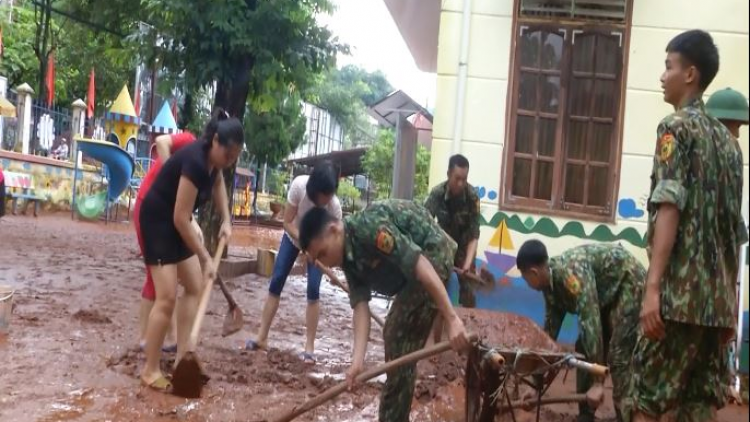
463	74
740	314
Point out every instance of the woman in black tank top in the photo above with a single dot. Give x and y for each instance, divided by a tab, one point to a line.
172	248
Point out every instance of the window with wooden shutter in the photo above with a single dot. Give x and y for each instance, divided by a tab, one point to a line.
565	111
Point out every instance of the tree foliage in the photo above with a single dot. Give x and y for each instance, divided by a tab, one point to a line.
271	136
78	49
349	194
378	164
346	93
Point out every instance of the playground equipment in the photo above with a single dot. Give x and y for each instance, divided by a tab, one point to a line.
122	123
119	165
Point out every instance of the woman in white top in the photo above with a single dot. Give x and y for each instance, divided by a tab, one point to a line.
305	192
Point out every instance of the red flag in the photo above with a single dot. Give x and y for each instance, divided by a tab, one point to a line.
2	47
138	99
90	100
50	79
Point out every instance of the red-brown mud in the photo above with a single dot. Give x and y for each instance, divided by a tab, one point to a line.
72	355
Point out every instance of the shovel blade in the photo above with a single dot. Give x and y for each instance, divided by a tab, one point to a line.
233	322
187	379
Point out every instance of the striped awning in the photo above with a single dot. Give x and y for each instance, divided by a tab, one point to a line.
163	130
117	117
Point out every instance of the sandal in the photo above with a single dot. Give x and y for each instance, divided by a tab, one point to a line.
161	384
253	345
308	358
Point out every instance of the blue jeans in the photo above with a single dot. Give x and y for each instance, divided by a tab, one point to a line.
285	259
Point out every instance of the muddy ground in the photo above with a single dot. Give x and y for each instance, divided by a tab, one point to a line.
70	354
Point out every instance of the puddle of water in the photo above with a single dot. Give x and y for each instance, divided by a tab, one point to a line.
71	408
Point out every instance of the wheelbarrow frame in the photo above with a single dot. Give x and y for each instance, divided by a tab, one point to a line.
489	370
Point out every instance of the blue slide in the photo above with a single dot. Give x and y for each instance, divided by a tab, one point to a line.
119	163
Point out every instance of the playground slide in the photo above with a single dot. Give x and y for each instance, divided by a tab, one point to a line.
119	163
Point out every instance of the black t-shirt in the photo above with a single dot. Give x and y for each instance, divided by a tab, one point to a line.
191	162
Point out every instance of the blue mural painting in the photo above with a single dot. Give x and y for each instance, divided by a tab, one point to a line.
627	208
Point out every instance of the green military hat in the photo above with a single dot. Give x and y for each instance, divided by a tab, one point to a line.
728	104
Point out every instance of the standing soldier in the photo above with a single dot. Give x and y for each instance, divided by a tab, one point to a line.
394	248
688	314
456	207
730	108
603	285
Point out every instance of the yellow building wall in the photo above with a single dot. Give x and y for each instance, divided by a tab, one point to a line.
484	133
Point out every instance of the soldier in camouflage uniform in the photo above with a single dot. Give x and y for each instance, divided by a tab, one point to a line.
393	248
603	285
731	109
688	313
456	207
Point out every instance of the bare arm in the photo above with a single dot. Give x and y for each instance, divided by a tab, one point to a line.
219	194
431	281
471	254
183	214
290	211
665	233
164	146
361	332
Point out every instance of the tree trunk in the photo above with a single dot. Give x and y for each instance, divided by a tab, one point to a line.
231	95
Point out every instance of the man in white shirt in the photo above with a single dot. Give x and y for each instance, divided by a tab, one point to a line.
316	190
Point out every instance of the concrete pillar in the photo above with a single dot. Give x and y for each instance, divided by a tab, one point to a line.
404	159
23	112
77	127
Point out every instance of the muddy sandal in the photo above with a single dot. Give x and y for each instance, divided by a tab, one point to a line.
253	346
161	384
308	358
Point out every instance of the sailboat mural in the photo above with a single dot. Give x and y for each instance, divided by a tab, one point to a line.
511	293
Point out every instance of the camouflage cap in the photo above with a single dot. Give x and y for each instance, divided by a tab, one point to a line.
728	104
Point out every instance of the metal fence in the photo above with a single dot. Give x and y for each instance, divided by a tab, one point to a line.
51	127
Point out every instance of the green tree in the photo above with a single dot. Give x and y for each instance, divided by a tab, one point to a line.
378	164
112	59
252	50
346	93
19	62
349	194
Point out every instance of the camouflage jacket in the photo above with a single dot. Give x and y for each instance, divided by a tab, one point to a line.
383	244
698	169
585	280
458	216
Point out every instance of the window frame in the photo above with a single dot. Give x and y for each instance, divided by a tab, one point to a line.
556	207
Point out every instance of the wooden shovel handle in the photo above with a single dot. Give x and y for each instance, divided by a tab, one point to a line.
205	295
520	404
339	388
592	368
227	294
335	280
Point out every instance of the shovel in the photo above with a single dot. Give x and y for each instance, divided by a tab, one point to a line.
187	379
484	281
234	320
334	391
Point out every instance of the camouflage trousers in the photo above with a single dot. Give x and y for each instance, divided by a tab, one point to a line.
406	330
682	376
620	324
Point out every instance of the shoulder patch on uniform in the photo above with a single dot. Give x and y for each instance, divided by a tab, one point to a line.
384	241
666	146
573	285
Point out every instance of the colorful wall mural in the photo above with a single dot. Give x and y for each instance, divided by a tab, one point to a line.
52	179
503	233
